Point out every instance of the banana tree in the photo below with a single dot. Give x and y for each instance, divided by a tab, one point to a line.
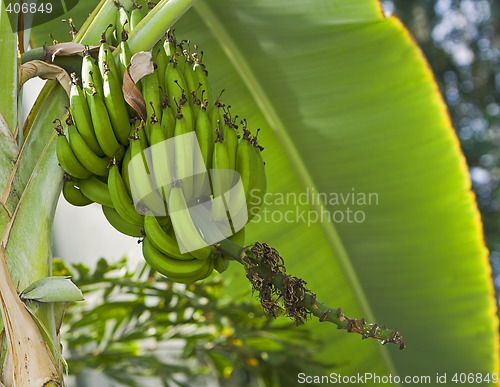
368	199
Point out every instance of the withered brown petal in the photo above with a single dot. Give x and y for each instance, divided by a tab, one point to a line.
141	65
38	68
133	95
66	49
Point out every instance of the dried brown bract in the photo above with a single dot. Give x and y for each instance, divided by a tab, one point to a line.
265	270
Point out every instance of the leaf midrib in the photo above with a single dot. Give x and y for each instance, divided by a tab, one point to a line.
276	124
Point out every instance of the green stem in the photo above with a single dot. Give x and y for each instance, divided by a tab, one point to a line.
33	54
156	23
91	31
290	289
142	38
72	64
234	250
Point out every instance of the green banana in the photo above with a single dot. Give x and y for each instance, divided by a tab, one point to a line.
80	112
200	77
137	14
122	18
203	253
124	170
219	178
121	224
125	54
66	156
177	270
167	118
139	128
90	75
216	116
161	161
115	105
182	58
170	44
230	138
96	190
209	268
221	264
193	87
259	181
162	240
151	93
165	222
102	124
73	194
122	202
174	83
105	55
95	164
141	180
188	236
161	60
205	135
244	161
187	112
184	154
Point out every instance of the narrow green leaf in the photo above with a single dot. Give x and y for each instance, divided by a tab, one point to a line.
8	151
29	247
52	289
8	156
8	76
50	106
29	244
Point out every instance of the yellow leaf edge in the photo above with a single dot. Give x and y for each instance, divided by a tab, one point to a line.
471	197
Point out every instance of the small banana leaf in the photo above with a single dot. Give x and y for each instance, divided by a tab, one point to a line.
52	289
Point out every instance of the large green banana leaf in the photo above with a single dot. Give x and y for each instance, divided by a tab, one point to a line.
348	106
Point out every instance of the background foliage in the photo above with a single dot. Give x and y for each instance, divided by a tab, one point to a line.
123	328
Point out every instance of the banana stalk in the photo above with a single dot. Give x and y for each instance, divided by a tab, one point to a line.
157	21
282	292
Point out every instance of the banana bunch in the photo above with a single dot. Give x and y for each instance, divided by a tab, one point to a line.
189	156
